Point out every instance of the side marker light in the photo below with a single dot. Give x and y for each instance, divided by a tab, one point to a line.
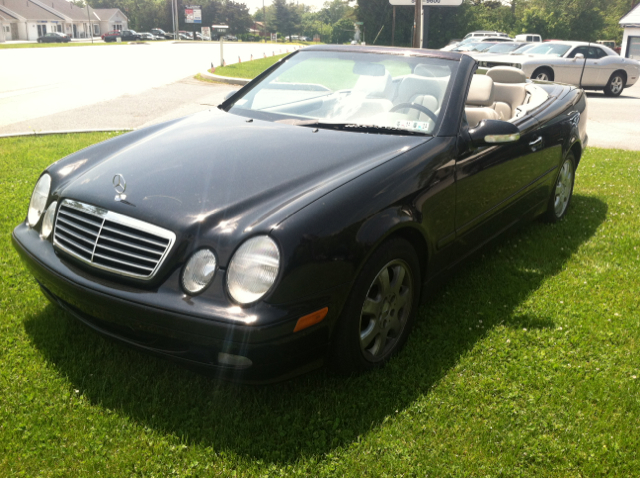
310	319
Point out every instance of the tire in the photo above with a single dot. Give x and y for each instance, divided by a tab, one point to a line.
379	314
543	73
615	85
562	191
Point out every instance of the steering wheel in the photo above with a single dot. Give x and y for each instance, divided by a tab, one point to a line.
416	106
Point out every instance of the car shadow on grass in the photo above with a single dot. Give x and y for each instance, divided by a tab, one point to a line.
315	413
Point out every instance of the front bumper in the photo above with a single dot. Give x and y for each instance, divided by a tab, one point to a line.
168	323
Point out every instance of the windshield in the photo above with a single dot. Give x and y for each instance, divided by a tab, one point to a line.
386	93
503	48
523	49
553	49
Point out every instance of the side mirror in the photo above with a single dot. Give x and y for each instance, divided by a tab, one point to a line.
491	132
230	94
579	56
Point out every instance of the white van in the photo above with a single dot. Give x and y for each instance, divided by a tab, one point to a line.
529	37
485	33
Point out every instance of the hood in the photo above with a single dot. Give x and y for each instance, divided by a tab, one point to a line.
215	171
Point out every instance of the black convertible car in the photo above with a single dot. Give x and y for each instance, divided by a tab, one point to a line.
300	221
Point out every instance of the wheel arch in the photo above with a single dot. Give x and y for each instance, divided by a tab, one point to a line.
623	72
398	225
577	150
545	67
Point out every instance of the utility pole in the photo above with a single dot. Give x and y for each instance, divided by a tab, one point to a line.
425	28
393	26
417	24
90	26
173	19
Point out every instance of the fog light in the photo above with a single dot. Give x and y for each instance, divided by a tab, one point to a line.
47	222
234	360
199	271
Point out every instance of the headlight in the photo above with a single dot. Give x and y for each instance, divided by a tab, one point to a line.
483	64
518	66
253	269
47	222
199	271
39	199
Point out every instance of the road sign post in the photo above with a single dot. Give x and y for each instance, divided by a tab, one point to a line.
420	35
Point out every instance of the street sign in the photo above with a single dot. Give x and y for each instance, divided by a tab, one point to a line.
428	3
192	14
359	23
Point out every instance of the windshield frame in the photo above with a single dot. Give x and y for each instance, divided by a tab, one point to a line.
230	104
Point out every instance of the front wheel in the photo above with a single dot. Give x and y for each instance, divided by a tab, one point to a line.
562	191
378	316
615	85
543	74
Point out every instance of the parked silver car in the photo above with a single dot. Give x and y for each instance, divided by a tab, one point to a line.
588	65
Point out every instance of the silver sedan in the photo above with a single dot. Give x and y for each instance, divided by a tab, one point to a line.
588	65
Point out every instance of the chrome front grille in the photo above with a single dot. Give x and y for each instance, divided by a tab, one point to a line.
111	241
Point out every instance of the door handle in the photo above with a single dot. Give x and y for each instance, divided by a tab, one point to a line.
536	144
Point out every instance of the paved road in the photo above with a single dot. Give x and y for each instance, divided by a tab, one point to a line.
137	85
38	82
615	122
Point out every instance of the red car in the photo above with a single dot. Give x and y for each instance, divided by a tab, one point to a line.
112	33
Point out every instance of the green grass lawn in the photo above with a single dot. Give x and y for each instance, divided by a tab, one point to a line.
525	364
249	69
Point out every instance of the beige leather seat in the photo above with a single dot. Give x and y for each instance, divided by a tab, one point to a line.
420	88
480	101
509	90
370	96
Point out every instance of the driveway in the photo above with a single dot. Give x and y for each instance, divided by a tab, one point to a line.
39	82
615	122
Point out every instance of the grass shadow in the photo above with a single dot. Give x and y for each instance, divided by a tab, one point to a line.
311	415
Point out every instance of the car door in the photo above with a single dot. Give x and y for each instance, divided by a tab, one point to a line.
570	69
497	185
596	72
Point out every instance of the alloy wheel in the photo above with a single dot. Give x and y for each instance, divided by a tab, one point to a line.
564	187
386	309
617	84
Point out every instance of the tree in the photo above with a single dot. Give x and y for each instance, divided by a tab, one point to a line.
286	17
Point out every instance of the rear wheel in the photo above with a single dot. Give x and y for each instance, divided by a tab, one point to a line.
615	85
562	191
380	311
543	74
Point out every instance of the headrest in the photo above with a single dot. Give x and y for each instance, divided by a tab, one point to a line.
431	71
481	91
507	75
374	86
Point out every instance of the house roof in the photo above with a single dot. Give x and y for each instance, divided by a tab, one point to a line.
6	17
631	18
27	9
68	9
105	14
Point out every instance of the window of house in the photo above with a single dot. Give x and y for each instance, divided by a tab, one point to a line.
633	48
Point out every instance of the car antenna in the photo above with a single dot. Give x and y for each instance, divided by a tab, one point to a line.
584	65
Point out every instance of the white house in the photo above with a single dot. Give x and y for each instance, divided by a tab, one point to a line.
30	19
631	40
111	19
